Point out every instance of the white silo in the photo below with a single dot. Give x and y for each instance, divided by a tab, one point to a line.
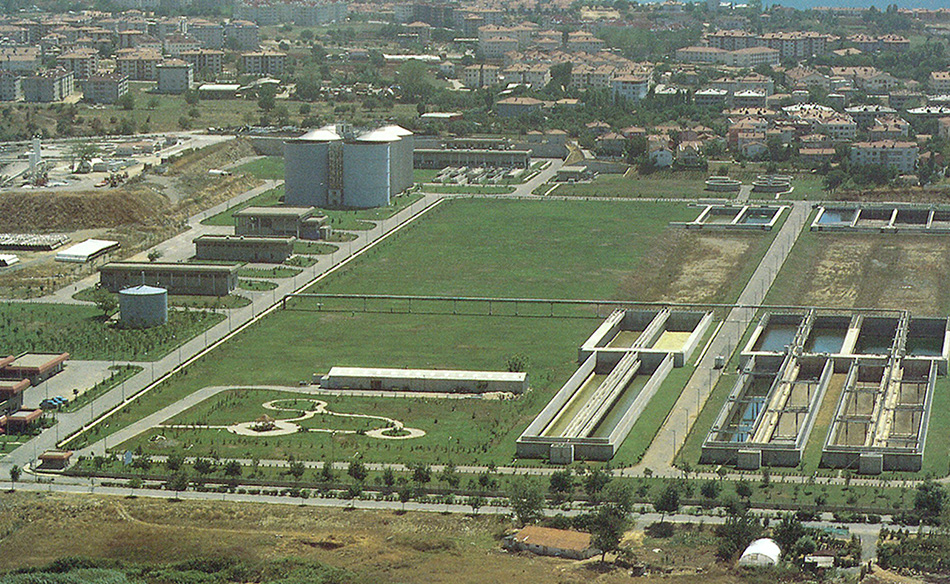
143	306
401	161
367	177
307	172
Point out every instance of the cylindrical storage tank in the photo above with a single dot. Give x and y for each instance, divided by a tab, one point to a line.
401	162
366	170
143	306
306	172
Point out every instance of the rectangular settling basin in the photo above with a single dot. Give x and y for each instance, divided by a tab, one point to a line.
827	334
876	336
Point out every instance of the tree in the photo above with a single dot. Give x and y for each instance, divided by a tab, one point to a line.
266	97
326	472
105	301
154	255
174	462
709	490
595	481
14	476
449	476
192	96
561	484
296	469
126	101
203	466
178	482
357	471
152	103
405	495
607	528
84	151
743	489
421	473
389	477
835	179
516	363
929	500
233	468
475	502
736	533
668	502
526	501
788	531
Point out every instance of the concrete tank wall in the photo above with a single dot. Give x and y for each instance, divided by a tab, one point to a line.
366	174
306	174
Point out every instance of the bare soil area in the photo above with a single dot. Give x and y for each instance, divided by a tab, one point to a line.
378	546
692	266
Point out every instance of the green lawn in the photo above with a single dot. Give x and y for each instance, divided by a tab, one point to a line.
256	285
556	249
269	167
314	247
275	272
662	184
266	199
81	332
471	247
312	342
460	431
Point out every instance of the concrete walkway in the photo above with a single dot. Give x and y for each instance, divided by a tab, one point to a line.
676	427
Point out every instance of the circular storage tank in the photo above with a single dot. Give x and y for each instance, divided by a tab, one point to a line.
143	306
366	170
306	172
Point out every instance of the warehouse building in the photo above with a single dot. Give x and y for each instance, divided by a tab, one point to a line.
471	157
299	222
336	166
244	248
427	380
197	279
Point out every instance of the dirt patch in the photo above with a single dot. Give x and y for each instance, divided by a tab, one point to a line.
689	266
895	272
216	156
69	211
378	546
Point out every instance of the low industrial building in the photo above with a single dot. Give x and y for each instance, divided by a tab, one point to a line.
547	541
34	367
243	248
427	380
20	421
86	251
143	306
55	459
300	222
471	157
191	279
11	394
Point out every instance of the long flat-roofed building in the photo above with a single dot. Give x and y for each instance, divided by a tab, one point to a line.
197	279
244	248
429	380
441	158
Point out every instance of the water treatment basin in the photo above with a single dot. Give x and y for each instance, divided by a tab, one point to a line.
837	216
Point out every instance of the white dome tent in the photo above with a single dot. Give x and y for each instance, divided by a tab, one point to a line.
761	552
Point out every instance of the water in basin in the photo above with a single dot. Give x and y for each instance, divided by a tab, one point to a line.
825	340
775	336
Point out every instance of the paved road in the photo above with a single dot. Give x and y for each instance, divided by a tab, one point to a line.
261	302
672	434
744	192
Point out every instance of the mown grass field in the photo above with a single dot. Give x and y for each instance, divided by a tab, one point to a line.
544	249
